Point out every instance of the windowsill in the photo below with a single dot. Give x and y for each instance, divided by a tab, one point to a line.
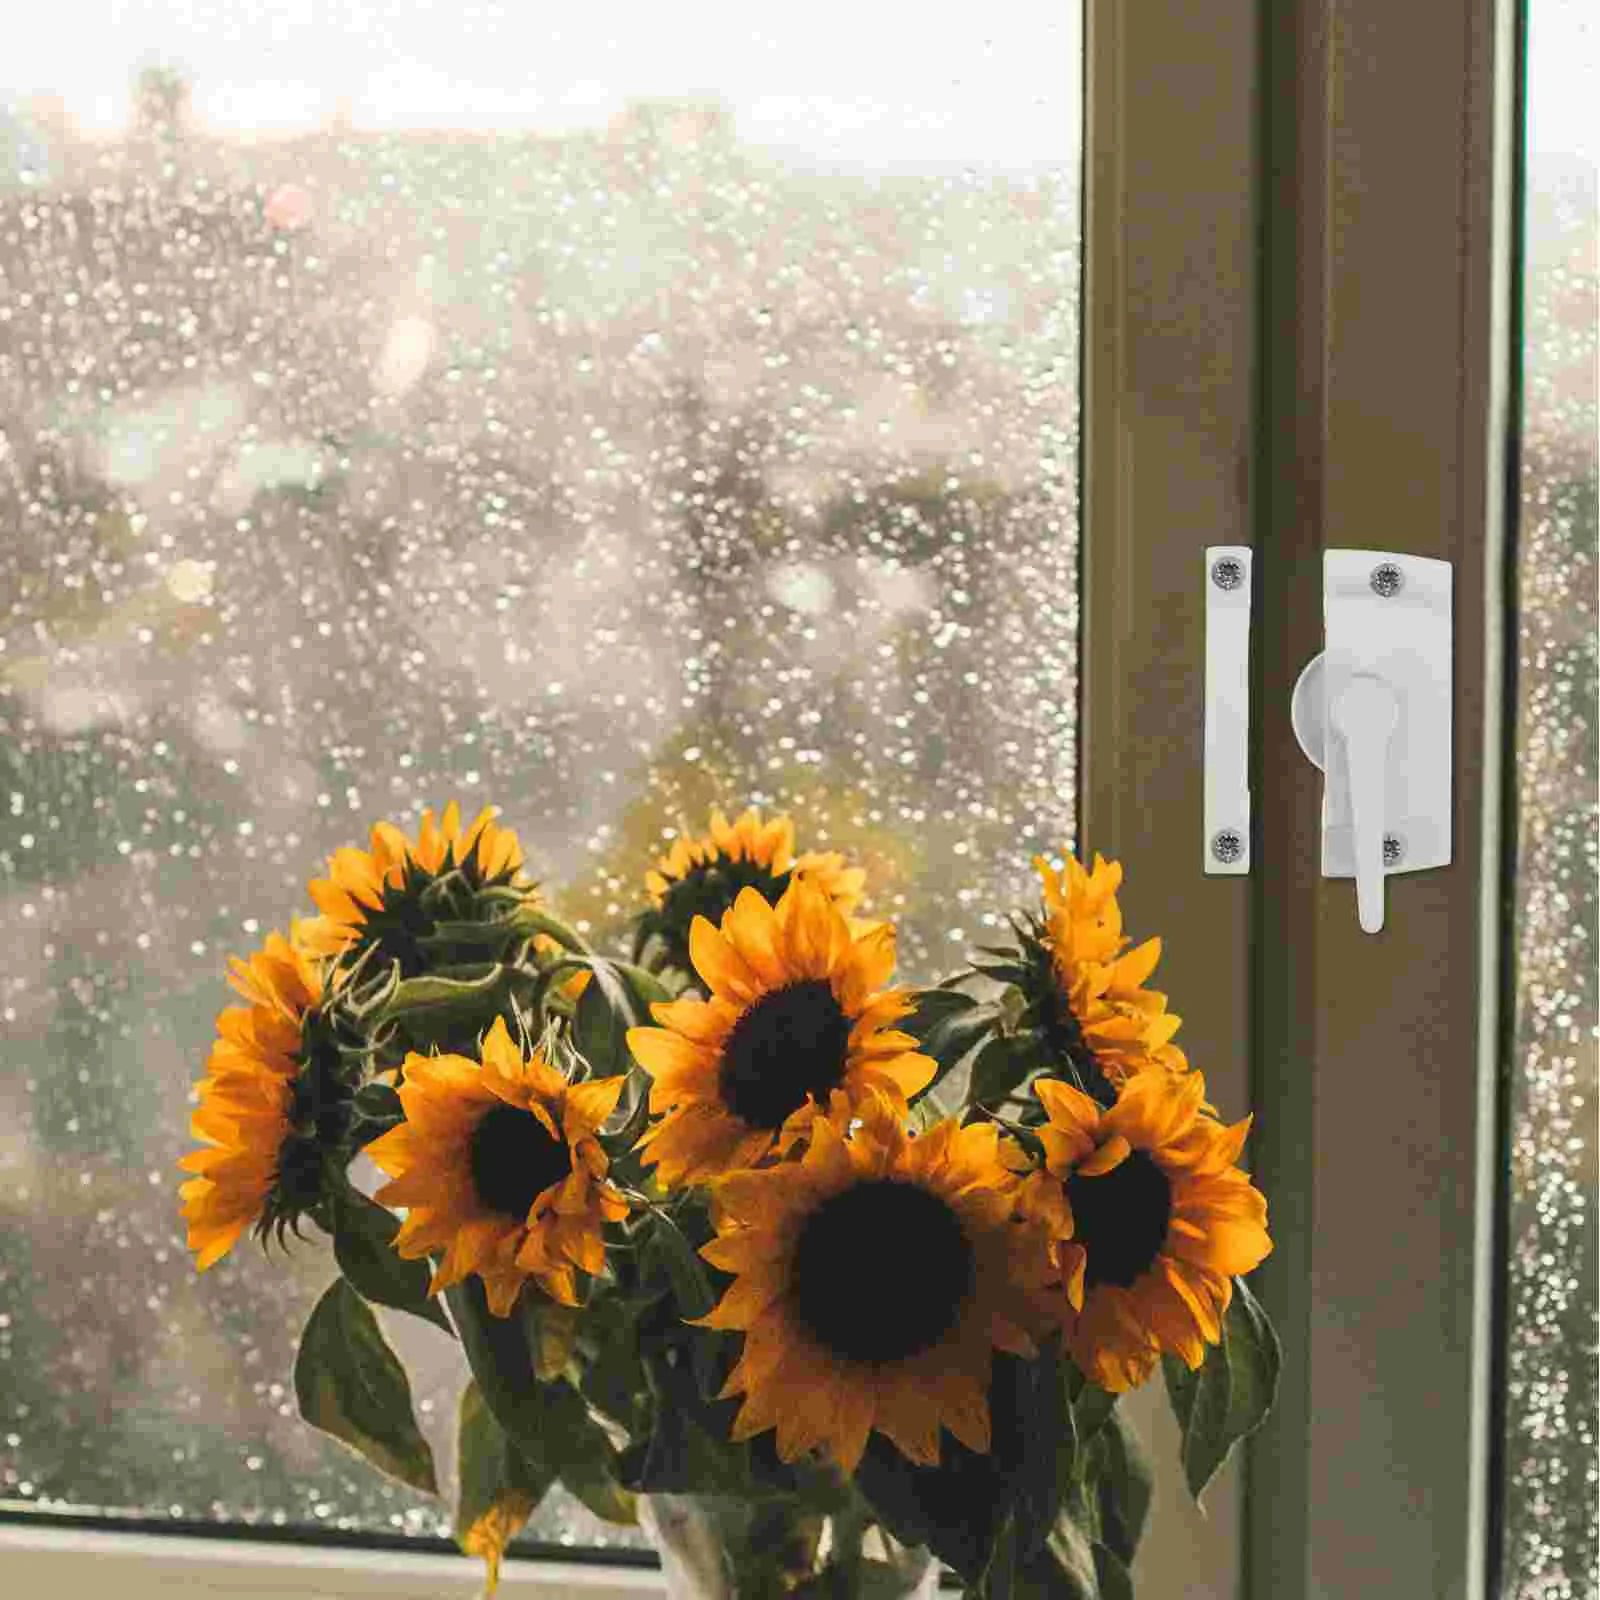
66	1563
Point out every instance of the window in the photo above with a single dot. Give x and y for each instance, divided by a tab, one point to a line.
712	427
402	404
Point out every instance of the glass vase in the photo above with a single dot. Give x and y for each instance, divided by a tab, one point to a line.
715	1547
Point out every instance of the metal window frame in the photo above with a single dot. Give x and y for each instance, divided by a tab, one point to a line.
1171	255
1335	374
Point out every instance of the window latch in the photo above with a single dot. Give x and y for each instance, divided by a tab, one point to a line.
1372	711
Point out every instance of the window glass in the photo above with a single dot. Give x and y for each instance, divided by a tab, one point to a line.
1551	1474
400	402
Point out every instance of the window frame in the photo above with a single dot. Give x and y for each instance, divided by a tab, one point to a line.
1368	124
1387	142
1336	127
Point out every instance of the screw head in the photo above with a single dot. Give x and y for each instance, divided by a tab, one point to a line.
1393	850
1388	580
1227	572
1227	846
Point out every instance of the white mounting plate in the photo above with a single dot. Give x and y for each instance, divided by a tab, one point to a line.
1227	727
1407	640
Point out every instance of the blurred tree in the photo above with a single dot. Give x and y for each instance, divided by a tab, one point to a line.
161	101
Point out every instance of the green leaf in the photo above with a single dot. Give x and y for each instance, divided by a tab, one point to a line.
606	1009
1091	1407
1069	1559
998	1580
633	1110
498	1488
1069	1565
611	1367
1033	1445
647	987
1001	1066
435	991
666	1242
949	1025
1231	1394
667	1250
530	920
493	934
685	1453
350	1384
1002	971
581	1453
500	1354
363	1245
552	1333
1114	1576
1119	1469
619	998
550	1423
955	1508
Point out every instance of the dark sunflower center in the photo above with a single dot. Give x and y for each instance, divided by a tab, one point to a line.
513	1158
881	1271
790	1044
1121	1219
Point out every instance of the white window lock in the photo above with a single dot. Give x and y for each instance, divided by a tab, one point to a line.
1372	711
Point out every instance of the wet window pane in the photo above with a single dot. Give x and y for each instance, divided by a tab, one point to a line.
1551	1476
396	406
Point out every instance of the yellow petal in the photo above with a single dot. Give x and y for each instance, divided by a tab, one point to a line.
1111	1154
964	1409
753	930
1132	969
700	1021
1074	1262
1230	1248
1154	1108
718	964
589	1104
1070	1109
499	1053
660	1051
746	1300
743	1250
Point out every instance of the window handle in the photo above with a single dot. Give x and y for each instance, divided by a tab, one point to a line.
1382	686
1364	717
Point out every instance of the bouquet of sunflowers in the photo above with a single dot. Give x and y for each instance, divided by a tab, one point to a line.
717	1255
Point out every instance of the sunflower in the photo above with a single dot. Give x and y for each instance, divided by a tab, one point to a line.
704	877
275	1099
499	1167
797	1009
378	898
875	1278
384	902
1084	994
1148	1222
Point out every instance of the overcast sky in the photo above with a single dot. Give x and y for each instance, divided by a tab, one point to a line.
846	80
861	82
